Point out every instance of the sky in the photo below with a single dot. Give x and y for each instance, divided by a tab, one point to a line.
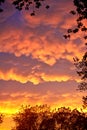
36	62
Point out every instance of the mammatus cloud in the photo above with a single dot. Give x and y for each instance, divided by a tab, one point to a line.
39	37
36	76
26	69
12	75
47	49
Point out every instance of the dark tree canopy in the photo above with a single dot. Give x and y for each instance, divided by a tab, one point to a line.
26	4
43	118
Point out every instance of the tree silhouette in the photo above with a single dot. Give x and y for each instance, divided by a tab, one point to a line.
42	118
81	65
26	4
31	117
62	118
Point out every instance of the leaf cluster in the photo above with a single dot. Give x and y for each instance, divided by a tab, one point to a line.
81	66
81	13
1	2
26	4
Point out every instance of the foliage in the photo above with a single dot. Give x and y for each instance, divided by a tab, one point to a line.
42	118
27	5
84	101
81	65
1	2
82	70
81	14
30	117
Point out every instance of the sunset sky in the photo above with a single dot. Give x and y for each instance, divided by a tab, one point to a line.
36	62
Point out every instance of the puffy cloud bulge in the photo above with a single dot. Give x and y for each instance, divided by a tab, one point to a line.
35	79
25	69
40	36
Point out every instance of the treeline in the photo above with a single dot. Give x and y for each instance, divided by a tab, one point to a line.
43	118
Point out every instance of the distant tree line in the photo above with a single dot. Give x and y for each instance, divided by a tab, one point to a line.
43	118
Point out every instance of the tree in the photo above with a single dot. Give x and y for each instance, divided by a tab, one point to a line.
30	118
81	65
26	4
42	118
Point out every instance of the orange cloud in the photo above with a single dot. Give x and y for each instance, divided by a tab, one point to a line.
12	75
35	77
53	16
41	48
59	78
38	36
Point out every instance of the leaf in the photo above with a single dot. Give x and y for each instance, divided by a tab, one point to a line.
75	30
80	18
65	36
26	8
86	44
1	10
38	4
22	4
32	14
73	12
2	1
84	29
85	37
15	3
47	6
69	30
80	24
